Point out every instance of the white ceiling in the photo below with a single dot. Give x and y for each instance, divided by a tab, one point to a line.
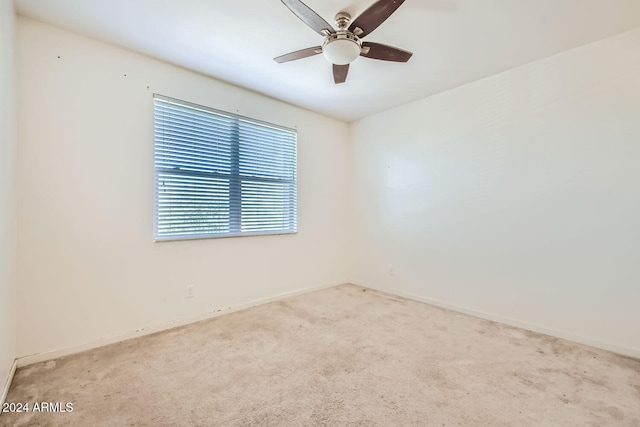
454	42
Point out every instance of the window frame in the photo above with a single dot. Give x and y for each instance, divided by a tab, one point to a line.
235	180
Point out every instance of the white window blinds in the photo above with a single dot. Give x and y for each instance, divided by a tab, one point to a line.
218	174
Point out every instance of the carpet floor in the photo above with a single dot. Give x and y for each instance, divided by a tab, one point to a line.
344	356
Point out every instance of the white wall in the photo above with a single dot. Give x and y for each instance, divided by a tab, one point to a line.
87	265
8	183
516	197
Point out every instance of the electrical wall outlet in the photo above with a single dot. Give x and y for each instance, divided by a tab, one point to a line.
392	270
188	292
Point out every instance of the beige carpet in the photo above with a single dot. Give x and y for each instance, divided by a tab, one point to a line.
344	356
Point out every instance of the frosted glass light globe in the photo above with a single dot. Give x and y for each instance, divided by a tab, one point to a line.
341	51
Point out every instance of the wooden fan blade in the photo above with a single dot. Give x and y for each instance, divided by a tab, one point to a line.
299	54
374	16
384	52
309	17
340	73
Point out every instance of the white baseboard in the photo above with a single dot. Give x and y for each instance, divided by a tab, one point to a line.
625	351
7	385
55	354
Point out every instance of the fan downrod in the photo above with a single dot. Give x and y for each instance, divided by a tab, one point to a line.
342	20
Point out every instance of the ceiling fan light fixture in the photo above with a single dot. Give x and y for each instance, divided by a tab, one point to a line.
344	44
341	49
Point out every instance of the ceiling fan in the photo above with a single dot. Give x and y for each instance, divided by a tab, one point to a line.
343	46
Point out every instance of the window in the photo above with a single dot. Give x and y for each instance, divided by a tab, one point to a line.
218	174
